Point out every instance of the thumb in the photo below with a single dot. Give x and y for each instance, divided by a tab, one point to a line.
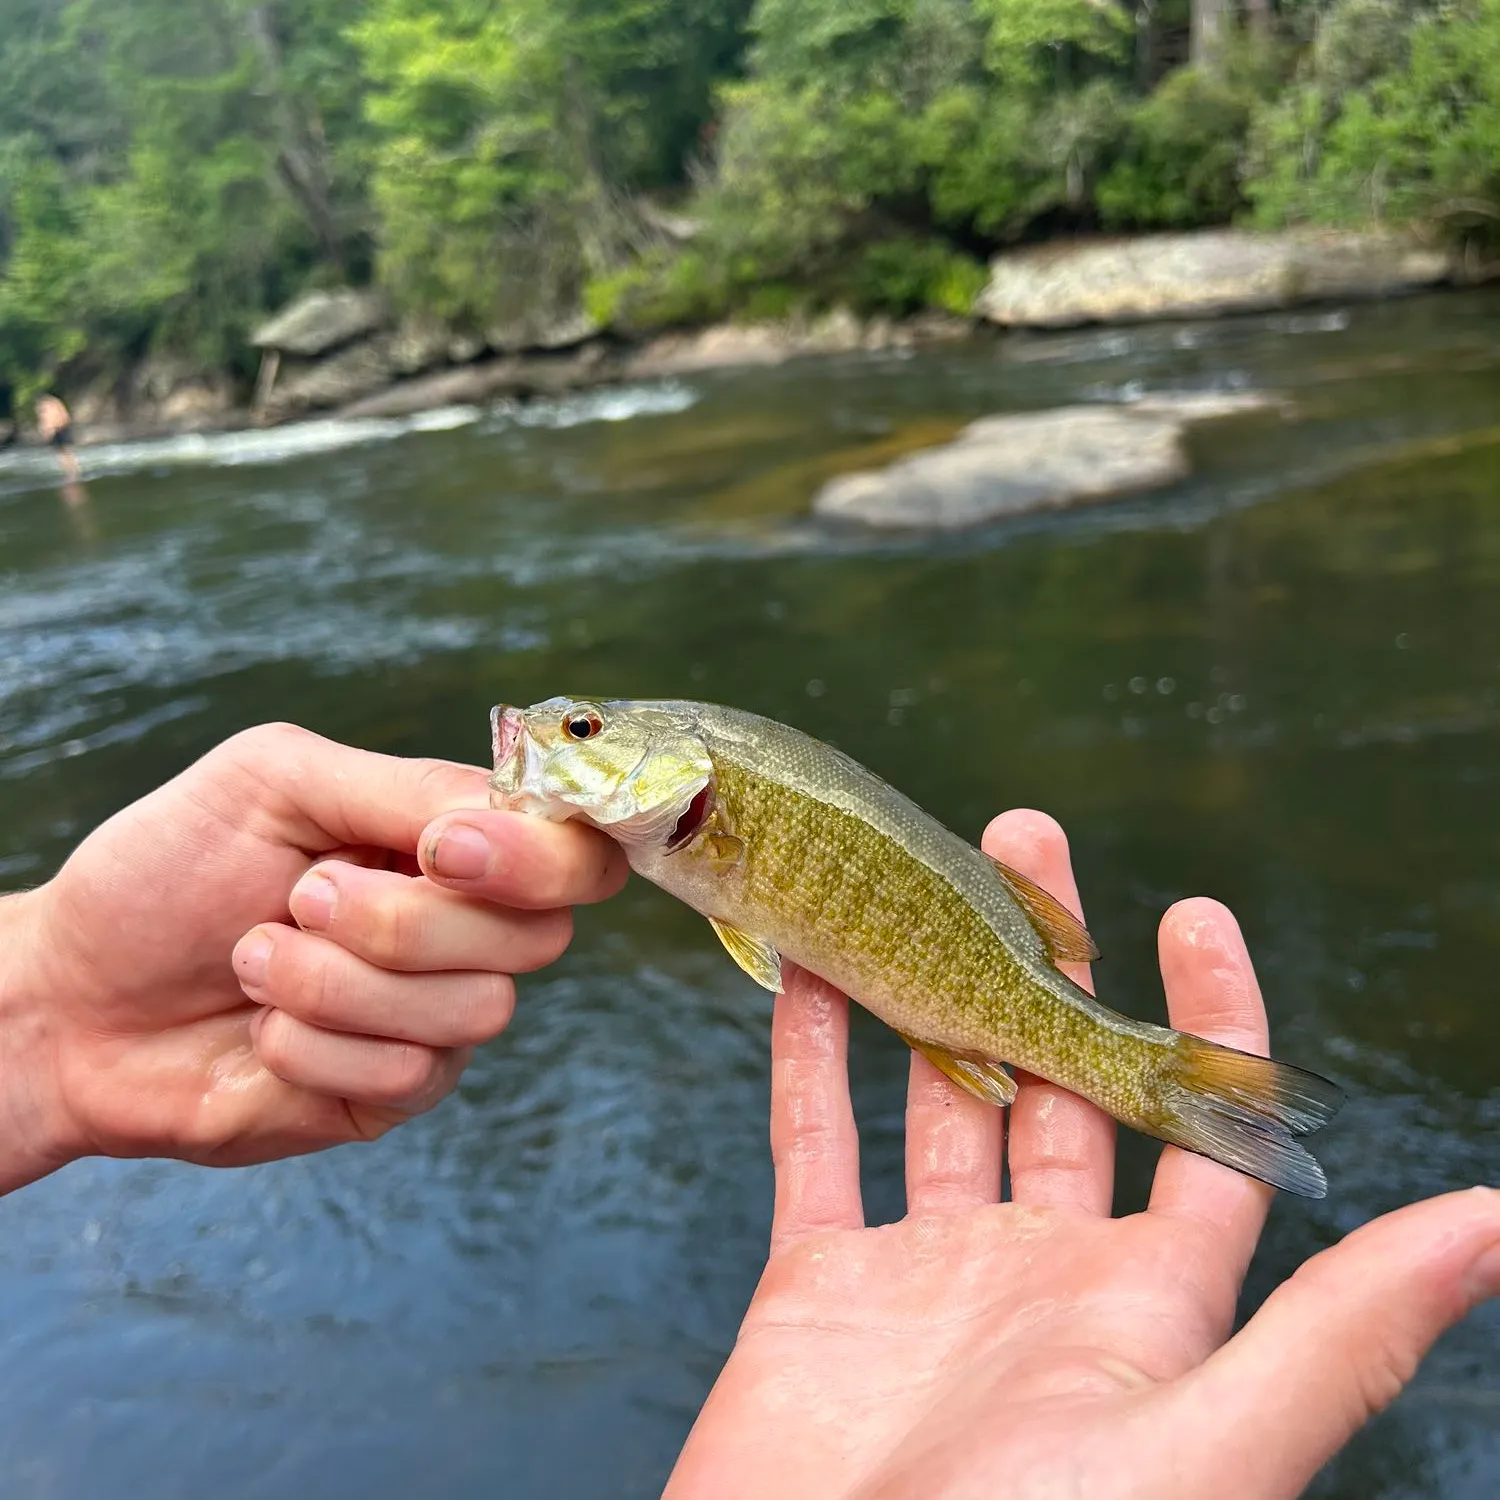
327	795
1337	1342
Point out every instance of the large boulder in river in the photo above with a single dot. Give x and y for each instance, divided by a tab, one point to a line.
1029	461
1192	275
322	321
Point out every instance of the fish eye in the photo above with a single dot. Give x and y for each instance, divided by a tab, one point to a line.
582	726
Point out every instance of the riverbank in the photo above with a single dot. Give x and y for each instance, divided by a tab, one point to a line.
344	354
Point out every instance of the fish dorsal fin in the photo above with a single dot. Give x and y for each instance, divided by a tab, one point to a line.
758	958
1066	938
975	1075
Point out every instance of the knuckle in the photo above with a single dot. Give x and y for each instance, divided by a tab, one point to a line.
439	778
1384	1374
396	928
265	742
550	934
491	1001
305	979
274	1044
408	1073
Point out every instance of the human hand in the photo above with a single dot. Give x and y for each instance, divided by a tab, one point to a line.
1040	1347
273	953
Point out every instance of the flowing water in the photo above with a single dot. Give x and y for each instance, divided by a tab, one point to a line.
1277	682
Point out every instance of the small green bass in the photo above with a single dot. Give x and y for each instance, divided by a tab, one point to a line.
793	850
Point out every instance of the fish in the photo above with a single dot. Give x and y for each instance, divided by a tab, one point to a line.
796	853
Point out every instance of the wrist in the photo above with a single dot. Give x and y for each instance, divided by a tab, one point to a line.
36	1136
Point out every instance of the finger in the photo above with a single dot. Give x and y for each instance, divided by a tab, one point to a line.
1336	1343
1212	992
364	1070
814	1144
522	861
328	987
324	794
416	926
1061	1148
953	1144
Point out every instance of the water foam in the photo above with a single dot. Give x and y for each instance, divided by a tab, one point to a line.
30	468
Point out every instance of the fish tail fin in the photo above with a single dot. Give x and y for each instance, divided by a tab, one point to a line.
1245	1112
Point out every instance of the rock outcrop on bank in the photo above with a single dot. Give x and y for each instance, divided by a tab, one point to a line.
1030	461
1201	274
599	362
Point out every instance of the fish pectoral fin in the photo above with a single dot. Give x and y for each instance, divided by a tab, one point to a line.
975	1075
724	851
758	958
1067	940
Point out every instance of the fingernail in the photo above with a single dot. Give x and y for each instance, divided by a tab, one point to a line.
461	853
1484	1276
312	902
252	959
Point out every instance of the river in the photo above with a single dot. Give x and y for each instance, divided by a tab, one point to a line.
1277	683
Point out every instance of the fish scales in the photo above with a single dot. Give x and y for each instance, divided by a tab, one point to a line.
855	904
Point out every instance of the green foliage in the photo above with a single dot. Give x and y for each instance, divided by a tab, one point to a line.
1395	117
510	137
661	290
913	274
1179	159
166	175
1036	44
799	171
870	132
998	163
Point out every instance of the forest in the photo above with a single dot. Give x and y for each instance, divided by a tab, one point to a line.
172	170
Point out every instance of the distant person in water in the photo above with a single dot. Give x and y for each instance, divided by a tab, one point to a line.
55	422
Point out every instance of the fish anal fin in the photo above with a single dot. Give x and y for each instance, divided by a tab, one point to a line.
1067	940
758	958
975	1075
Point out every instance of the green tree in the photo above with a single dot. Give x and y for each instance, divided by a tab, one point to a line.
511	141
1394	117
171	169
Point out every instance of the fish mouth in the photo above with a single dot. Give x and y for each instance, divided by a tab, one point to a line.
507	737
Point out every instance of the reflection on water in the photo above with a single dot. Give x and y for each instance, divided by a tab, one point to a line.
1278	683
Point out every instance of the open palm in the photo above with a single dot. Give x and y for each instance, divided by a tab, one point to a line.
1040	1347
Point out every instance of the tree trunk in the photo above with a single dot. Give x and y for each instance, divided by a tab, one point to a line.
1145	45
1210	31
302	148
1258	19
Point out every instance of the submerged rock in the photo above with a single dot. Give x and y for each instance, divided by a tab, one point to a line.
1029	461
726	345
1191	275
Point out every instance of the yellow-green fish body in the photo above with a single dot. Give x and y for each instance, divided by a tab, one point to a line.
795	851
